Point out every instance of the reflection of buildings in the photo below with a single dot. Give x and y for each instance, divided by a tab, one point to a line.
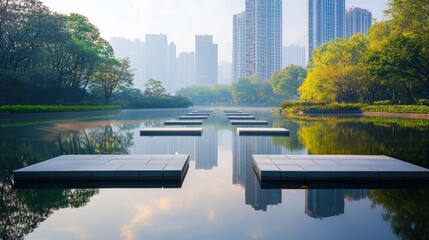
204	149
207	149
243	173
322	203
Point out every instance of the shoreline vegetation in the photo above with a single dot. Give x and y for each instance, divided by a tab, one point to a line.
53	108
296	108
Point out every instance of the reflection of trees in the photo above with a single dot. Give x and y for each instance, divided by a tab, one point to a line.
21	211
406	210
291	142
336	136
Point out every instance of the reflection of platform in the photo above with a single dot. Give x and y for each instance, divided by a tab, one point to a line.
183	122
335	167
106	167
241	117
171	132
262	132
248	122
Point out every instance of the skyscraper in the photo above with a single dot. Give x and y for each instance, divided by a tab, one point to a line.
263	37
206	60
132	50
294	54
171	85
186	69
156	57
358	20
326	21
239	46
224	73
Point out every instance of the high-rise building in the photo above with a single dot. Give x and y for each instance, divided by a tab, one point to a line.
224	73
206	60
263	37
326	21
239	46
185	66
357	20
156	58
132	50
293	54
171	85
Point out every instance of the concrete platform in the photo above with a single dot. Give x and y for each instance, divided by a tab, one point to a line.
193	117
106	167
241	117
232	111
237	114
262	132
248	122
202	111
183	122
171	132
335	168
197	114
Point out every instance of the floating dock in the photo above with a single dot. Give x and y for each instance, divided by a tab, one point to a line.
335	167
241	117
171	132
237	114
262	132
183	122
193	117
106	167
248	122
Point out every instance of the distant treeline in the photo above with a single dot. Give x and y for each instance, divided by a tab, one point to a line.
51	58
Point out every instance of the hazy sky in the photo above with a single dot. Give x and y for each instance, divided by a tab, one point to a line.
182	19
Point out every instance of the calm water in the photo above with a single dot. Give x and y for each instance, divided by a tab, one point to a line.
220	197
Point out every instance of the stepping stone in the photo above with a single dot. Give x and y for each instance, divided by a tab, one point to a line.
248	122
183	122
262	132
106	167
335	168
241	117
232	111
193	117
237	114
197	114
202	111
171	132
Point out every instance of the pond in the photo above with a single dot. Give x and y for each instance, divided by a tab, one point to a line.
220	197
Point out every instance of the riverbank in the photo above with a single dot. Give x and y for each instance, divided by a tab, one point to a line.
51	109
395	111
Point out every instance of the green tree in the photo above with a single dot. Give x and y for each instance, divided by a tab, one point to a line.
154	88
111	76
287	81
244	91
338	73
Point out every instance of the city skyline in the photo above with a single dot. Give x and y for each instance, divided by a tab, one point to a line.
182	20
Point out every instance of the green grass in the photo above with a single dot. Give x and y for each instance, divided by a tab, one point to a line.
294	107
49	108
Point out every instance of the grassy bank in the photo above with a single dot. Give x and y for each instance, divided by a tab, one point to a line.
295	107
49	108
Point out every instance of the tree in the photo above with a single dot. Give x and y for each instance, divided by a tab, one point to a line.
154	88
113	75
244	91
338	73
287	81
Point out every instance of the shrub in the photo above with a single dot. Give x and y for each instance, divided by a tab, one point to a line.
423	102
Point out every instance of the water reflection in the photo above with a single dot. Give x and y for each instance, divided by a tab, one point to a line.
204	149
21	211
323	203
243	173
